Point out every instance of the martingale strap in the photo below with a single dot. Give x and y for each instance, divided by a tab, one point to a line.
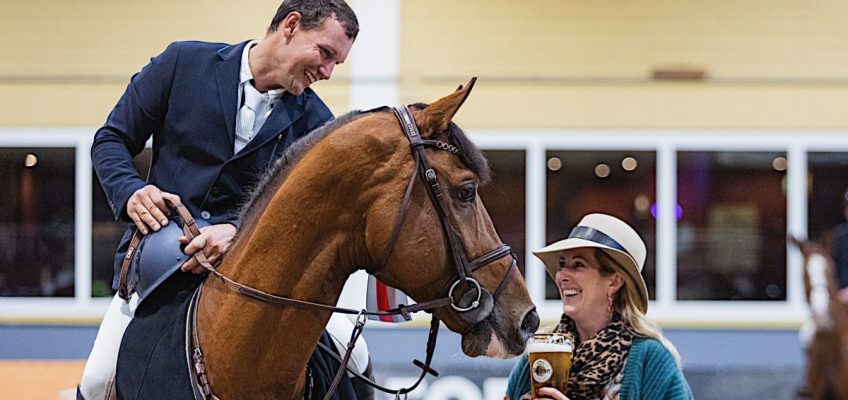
425	365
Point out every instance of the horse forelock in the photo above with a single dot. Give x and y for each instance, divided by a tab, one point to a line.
470	154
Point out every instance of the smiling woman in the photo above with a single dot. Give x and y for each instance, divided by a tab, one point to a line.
618	351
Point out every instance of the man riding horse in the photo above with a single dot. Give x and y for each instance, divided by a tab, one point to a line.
219	115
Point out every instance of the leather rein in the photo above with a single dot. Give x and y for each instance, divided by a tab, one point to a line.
475	296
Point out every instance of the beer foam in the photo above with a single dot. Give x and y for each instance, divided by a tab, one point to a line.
549	347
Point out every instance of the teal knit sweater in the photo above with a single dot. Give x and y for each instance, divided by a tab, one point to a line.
650	374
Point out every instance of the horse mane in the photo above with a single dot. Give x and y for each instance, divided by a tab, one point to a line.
277	173
469	154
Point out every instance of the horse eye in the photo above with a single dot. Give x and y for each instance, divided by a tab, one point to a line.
467	193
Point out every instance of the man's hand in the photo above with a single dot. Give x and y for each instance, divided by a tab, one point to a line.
214	241
147	209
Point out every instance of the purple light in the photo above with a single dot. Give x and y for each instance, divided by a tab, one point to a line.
678	211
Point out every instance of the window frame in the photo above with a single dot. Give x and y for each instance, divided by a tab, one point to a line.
666	309
82	305
666	143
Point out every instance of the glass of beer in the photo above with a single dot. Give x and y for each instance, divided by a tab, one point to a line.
550	361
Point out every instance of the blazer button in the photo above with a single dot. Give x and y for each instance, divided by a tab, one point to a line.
205	214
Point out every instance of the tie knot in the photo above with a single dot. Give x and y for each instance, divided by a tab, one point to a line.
252	97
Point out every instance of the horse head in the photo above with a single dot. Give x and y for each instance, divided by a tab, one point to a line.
493	311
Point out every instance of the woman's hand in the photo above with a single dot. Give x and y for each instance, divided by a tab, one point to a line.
550	393
214	241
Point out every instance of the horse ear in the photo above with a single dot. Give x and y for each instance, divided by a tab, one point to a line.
436	117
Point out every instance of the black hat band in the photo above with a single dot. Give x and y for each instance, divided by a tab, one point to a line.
594	235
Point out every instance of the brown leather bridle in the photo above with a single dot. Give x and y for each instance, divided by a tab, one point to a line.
464	268
473	305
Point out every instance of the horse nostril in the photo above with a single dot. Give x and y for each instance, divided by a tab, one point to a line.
529	324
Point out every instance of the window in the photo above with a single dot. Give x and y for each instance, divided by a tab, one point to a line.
619	183
734	208
504	197
37	222
731	228
828	179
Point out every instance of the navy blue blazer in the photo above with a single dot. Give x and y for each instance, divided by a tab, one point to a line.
186	99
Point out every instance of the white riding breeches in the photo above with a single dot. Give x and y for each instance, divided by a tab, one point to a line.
98	378
340	329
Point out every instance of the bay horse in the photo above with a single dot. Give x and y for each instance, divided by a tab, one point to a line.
826	375
345	198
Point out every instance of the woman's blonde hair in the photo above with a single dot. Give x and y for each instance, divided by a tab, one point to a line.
635	319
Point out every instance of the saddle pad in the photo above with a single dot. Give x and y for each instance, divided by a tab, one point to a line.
152	360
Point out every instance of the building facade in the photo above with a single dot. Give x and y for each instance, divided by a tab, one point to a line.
716	129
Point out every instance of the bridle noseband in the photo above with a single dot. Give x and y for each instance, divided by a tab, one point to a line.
473	305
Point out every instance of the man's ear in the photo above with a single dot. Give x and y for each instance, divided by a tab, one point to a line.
290	23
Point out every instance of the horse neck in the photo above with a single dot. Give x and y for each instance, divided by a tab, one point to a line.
304	245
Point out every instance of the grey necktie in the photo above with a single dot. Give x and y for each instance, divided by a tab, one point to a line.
247	117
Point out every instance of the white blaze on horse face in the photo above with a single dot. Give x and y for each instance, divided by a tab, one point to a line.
819	295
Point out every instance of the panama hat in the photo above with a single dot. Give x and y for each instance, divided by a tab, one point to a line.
617	239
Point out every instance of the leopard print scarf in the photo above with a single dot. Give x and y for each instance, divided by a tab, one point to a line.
597	360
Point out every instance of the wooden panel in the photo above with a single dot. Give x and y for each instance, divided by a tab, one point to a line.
66	63
608	38
588	64
496	105
87	104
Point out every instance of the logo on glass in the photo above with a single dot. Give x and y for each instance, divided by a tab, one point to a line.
550	361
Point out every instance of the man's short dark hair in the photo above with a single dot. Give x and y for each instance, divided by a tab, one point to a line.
314	12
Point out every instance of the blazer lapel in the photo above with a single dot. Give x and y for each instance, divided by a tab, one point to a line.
284	114
226	76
